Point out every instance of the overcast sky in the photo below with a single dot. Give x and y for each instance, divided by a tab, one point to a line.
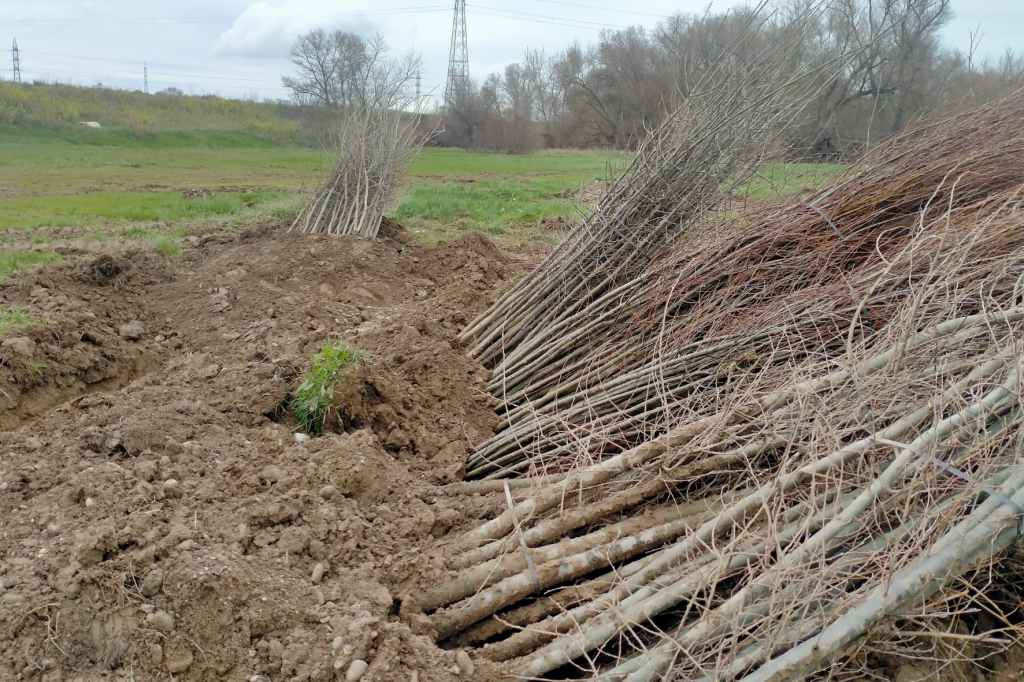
236	48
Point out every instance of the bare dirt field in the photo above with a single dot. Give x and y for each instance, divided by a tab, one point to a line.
158	515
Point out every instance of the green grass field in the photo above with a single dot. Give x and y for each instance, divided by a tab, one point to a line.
787	179
60	162
110	185
120	208
451	191
64	187
568	166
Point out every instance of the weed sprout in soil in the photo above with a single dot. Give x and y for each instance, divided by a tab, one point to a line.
311	402
15	318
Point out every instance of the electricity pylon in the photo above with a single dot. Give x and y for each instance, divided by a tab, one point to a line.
458	62
17	63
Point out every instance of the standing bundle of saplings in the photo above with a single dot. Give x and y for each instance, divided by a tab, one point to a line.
730	123
731	295
374	145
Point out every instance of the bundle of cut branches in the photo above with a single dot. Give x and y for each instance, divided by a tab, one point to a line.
835	485
729	125
730	296
374	146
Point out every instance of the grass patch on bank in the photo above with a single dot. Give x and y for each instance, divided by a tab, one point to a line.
167	245
15	318
788	179
16	261
569	166
56	106
132	207
489	206
79	136
311	401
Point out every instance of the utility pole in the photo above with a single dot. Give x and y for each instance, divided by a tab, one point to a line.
17	63
145	78
458	62
418	81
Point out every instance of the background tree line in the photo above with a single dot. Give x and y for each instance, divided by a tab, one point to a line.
610	93
881	64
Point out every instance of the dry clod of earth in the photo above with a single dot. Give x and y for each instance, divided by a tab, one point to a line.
21	345
161	620
157	514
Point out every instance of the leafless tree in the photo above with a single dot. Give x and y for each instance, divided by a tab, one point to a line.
463	115
887	81
343	69
317	58
508	106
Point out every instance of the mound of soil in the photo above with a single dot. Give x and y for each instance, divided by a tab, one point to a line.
87	338
158	513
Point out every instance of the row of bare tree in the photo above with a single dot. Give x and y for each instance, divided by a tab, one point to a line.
881	64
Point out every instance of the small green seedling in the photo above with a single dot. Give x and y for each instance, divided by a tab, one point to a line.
311	402
15	318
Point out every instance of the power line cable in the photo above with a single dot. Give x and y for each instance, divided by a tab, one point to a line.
215	20
539	21
490	11
602	9
195	70
192	68
543	16
45	65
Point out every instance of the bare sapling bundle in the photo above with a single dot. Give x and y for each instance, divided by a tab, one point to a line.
818	412
733	294
374	145
810	507
728	125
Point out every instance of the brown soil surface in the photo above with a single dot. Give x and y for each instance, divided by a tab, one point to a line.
158	514
159	518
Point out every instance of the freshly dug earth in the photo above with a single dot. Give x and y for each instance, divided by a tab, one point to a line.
158	515
87	339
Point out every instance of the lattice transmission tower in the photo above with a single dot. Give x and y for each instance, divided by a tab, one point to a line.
458	62
17	62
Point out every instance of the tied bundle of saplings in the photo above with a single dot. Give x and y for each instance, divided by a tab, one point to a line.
832	492
730	296
375	144
733	119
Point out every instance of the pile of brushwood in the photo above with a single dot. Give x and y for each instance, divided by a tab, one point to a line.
741	441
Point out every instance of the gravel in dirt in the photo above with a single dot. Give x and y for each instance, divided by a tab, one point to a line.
158	514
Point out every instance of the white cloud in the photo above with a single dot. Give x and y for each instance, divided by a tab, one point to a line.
266	31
